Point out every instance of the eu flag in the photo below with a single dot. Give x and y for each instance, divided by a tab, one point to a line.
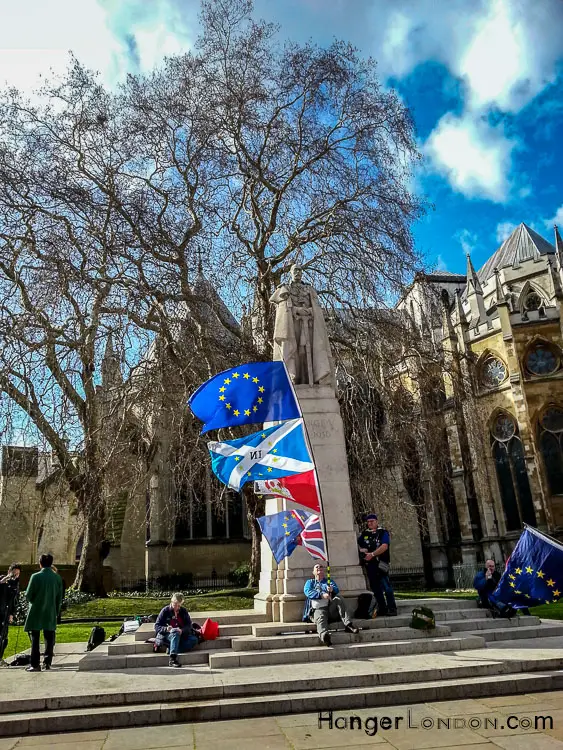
251	393
534	572
277	451
282	530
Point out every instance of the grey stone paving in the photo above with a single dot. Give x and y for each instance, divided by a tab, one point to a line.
301	731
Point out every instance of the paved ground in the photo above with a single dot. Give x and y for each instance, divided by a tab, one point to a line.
478	724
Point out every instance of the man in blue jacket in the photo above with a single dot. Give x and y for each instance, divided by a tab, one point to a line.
486	582
173	628
325	605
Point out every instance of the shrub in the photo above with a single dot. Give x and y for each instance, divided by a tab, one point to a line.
240	575
21	609
73	596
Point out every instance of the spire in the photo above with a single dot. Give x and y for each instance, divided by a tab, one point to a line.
498	290
459	308
555	279
472	278
475	296
111	369
558	249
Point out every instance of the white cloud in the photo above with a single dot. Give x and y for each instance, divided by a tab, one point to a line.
468	240
557	219
504	230
473	156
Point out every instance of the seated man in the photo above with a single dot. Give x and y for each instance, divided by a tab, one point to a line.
174	629
486	582
325	604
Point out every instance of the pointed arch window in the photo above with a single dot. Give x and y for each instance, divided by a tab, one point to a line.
493	371
512	475
551	447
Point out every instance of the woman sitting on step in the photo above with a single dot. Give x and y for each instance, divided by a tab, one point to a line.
174	630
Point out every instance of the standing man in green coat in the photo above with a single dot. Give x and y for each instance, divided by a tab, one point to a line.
45	596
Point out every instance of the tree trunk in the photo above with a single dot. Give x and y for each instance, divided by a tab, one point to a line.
89	575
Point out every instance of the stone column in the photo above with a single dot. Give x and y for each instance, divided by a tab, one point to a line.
281	586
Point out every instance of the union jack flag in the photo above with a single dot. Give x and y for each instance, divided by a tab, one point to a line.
311	537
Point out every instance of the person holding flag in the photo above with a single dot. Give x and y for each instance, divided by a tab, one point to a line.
325	605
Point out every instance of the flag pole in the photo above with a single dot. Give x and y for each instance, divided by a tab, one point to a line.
315	474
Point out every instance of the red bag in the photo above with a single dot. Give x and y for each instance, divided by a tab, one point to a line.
210	630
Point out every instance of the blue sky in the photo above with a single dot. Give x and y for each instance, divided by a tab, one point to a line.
483	79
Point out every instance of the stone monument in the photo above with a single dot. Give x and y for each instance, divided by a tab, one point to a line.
301	341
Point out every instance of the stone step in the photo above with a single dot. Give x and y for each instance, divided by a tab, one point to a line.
402	620
126	644
438	604
214	709
341	637
100	660
231	619
492	624
426	644
541	631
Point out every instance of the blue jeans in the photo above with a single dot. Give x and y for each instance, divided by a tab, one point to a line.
181	642
382	589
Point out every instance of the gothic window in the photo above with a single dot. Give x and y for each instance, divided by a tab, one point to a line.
532	301
542	359
512	475
551	447
493	372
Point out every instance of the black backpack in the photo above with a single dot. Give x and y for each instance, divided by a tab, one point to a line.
499	609
97	636
364	608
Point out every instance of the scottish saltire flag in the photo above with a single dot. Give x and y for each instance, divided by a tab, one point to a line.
312	537
534	572
255	392
276	452
299	488
281	531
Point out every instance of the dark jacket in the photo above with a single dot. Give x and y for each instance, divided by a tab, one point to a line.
45	595
482	582
371	540
314	589
163	621
9	592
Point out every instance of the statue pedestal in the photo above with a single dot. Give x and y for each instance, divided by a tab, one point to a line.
280	593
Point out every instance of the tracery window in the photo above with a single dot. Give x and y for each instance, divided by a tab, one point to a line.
542	359
532	301
551	447
512	475
493	372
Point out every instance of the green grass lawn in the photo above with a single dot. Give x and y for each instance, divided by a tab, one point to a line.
127	606
18	640
547	611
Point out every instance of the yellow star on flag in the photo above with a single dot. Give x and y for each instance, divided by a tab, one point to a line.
551	582
246	376
260	474
518	571
235	375
511	576
247	412
517	592
261	389
270	468
556	592
263	435
287	533
527	596
528	569
540	574
512	584
275	450
228	406
255	380
236	413
284	525
227	381
260	400
254	408
237	458
249	474
222	389
275	459
221	398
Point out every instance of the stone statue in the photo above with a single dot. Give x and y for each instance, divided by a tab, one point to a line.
300	335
